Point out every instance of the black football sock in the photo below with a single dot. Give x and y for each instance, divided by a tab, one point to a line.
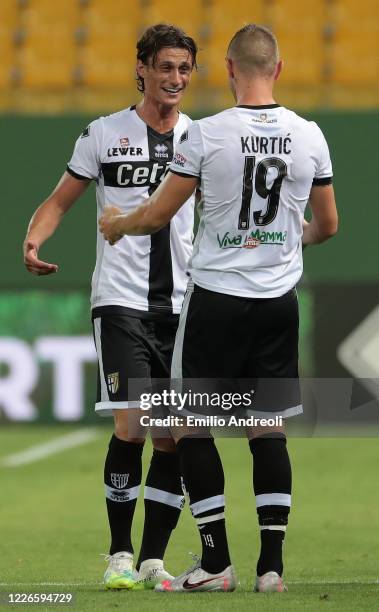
203	476
122	479
164	500
272	488
270	558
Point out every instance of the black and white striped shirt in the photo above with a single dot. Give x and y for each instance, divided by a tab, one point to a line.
128	159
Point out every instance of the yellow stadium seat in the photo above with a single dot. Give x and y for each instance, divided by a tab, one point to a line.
112	19
347	21
299	28
9	16
108	63
355	60
113	12
108	54
352	15
295	16
354	54
47	13
48	62
48	55
111	33
225	18
9	13
192	20
304	59
212	67
7	54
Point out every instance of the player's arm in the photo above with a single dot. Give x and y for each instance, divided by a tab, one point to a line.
46	219
324	221
153	214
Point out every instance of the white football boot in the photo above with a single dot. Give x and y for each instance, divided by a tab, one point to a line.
151	572
198	580
119	573
270	582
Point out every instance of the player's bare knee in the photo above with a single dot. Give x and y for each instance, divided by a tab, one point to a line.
127	426
268	432
166	445
123	434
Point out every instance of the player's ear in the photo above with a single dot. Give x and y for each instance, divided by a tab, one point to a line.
229	67
278	69
140	68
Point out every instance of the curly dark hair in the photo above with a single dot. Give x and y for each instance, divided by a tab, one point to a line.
160	36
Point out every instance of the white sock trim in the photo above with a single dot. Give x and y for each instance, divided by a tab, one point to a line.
273	499
273	527
210	519
217	501
164	497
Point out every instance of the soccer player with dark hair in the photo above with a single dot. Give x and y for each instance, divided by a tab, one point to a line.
137	290
258	165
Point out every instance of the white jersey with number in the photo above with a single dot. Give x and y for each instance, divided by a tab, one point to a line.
256	167
128	159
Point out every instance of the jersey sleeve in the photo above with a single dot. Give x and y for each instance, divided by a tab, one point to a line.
189	153
324	170
85	160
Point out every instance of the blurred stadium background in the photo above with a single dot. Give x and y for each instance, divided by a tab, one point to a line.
63	64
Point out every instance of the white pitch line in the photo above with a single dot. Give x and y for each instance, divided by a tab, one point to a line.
332	582
68	584
41	451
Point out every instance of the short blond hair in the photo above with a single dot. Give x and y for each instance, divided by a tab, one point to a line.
255	50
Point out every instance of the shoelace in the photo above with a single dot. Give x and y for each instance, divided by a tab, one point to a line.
117	562
151	573
196	564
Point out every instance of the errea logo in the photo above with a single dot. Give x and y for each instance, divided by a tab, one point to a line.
161	150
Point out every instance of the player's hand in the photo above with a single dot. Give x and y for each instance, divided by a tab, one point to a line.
35	265
109	224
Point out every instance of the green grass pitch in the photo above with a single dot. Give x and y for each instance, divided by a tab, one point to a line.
53	528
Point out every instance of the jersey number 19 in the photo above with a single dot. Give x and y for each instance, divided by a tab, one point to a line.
260	184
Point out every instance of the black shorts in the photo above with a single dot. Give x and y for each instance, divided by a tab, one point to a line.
129	347
241	344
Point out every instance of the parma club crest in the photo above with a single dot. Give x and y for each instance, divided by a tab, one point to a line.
119	480
113	381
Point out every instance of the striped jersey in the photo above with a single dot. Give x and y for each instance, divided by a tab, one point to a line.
256	167
127	159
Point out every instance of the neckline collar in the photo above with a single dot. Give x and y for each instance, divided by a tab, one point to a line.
259	107
162	134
